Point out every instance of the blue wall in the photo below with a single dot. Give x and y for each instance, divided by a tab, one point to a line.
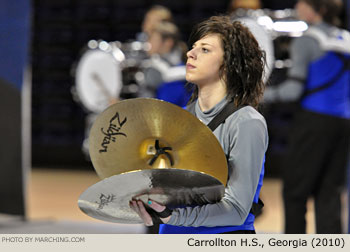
14	39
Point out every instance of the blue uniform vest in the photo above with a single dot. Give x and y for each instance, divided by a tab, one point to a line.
332	99
247	225
174	91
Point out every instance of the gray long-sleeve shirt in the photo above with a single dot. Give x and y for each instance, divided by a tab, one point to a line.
244	139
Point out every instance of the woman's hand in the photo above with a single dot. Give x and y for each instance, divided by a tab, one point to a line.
139	207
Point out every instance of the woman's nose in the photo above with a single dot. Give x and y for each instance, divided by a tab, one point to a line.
191	53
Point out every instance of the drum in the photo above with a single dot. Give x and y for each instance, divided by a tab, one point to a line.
107	72
133	68
98	75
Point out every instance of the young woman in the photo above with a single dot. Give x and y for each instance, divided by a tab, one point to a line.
226	65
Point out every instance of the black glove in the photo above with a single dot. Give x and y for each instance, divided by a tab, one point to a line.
157	215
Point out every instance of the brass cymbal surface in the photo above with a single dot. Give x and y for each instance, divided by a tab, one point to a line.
145	133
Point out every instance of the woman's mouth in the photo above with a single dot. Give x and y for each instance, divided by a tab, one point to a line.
189	66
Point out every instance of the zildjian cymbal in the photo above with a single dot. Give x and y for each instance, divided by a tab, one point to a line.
108	199
150	149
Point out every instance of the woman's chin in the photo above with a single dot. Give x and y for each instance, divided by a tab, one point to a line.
190	79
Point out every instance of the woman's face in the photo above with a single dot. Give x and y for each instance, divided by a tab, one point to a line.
204	60
305	12
150	20
155	40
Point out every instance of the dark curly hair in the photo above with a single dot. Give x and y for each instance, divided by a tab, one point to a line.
244	61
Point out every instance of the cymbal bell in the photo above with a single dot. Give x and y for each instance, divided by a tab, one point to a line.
146	133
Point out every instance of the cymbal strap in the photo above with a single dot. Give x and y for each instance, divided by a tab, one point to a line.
157	215
154	216
229	109
165	213
160	151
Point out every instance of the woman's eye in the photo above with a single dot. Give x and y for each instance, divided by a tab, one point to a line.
205	50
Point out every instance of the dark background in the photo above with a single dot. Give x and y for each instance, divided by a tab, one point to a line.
60	30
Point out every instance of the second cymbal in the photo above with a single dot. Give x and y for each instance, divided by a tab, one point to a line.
109	199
